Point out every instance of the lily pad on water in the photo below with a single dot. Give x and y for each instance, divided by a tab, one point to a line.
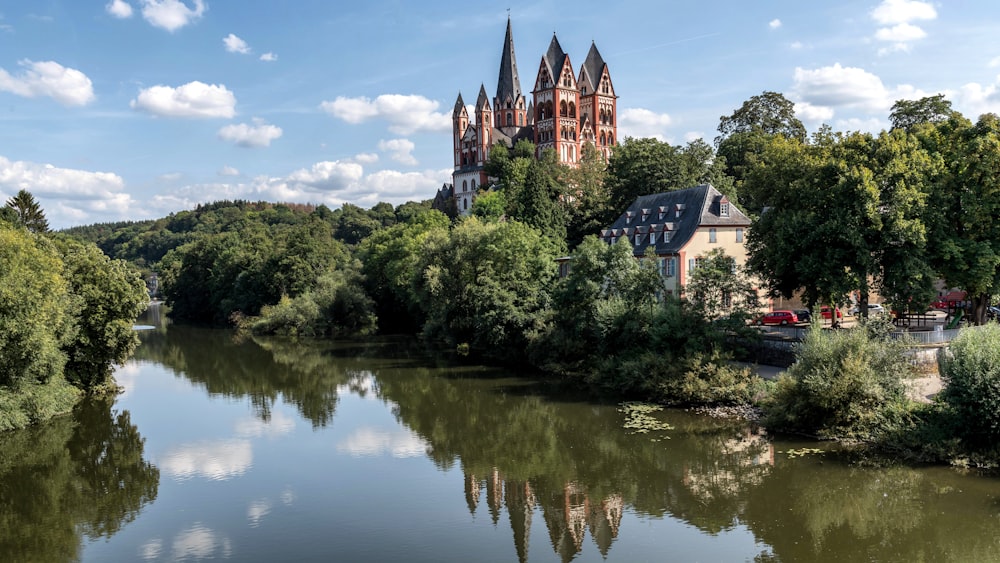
639	420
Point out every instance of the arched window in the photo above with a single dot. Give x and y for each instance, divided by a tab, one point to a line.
572	109
465	186
510	119
520	120
473	185
603	138
465	203
562	109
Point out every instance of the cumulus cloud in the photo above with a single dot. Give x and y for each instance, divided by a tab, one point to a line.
891	12
194	99
374	442
366	158
228	171
68	86
68	195
839	86
895	16
332	183
269	57
236	45
171	15
640	122
813	114
214	460
774	24
259	134
399	150
119	9
974	99
405	114
869	125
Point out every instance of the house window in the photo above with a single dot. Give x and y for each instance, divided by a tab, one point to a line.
465	186
694	263
613	239
465	203
652	238
724	209
668	267
473	185
711	234
638	239
666	236
739	235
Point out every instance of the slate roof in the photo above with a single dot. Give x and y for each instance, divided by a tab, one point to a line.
482	101
592	69
508	84
459	105
555	57
658	213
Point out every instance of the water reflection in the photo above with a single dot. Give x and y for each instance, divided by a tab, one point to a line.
80	475
217	460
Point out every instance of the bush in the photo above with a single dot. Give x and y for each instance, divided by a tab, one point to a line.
971	369
34	402
845	384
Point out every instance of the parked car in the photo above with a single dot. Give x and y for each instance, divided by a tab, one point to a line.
804	315
874	309
827	313
781	317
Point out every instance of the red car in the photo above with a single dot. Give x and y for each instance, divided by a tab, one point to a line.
778	318
826	312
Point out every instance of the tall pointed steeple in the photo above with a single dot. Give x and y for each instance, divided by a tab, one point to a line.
508	84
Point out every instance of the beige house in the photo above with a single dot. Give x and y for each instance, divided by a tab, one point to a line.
682	226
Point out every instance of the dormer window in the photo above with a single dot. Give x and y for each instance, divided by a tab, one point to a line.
638	239
678	209
724	207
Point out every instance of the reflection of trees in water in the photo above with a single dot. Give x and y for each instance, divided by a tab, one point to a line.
83	473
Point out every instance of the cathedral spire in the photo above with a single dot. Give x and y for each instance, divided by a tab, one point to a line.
508	84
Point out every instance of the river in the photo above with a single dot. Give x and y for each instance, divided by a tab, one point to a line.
268	450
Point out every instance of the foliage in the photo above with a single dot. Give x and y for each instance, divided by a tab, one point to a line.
845	384
489	206
108	296
647	166
35	316
971	368
586	199
718	288
33	402
769	113
337	307
907	114
488	285
29	213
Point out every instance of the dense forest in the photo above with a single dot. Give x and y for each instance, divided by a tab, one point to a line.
833	213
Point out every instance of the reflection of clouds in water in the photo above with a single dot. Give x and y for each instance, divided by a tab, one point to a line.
199	542
257	510
373	442
218	460
287	497
126	376
361	383
280	424
151	549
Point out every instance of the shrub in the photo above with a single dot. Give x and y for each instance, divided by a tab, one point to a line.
845	384
971	368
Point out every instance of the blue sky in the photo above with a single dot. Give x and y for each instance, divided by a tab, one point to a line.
133	109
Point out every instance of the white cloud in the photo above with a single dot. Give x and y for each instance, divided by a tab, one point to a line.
366	158
405	114
896	16
796	45
194	99
236	45
253	427
837	86
640	122
269	57
813	114
68	86
870	125
200	542
891	12
693	136
974	99
900	33
68	196
228	171
259	134
994	62
119	9
774	24
171	15
399	150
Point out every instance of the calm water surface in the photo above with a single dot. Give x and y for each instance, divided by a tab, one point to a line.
265	450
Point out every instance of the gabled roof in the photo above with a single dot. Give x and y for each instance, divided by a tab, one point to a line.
508	84
698	206
482	101
592	69
459	105
555	57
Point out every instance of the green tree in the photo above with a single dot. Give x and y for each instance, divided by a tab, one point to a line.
108	296
717	288
907	114
490	206
586	201
29	213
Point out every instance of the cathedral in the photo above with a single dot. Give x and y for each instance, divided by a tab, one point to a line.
565	111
